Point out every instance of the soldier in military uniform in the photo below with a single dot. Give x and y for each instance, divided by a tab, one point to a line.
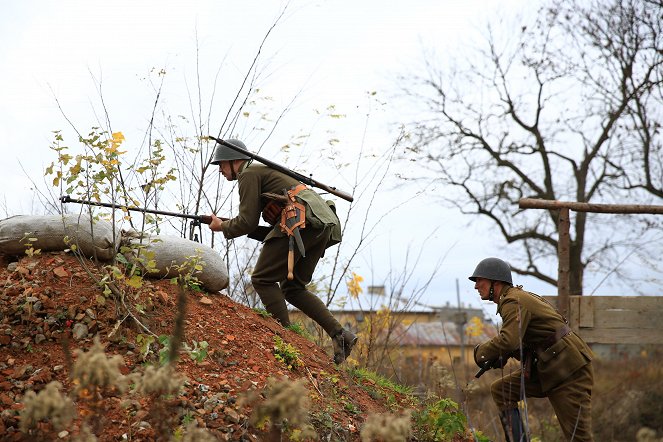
555	362
270	277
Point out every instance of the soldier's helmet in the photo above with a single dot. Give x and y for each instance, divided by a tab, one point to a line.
225	153
494	269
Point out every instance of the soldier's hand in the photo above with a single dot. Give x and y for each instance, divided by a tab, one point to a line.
272	213
216	223
499	362
476	360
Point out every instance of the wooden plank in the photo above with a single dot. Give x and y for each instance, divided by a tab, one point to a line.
586	312
643	303
574	313
620	336
620	318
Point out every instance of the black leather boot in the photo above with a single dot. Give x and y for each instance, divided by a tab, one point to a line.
343	342
513	425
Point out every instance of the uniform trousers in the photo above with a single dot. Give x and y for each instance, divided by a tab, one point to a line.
270	281
571	399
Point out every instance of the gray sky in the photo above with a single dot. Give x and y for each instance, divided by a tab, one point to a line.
322	52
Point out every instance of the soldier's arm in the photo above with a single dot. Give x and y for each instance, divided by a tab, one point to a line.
509	340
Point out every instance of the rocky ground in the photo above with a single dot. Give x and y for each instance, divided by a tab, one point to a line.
51	308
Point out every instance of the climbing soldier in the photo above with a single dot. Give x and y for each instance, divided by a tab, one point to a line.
555	362
299	216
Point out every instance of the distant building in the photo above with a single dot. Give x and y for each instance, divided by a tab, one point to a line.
408	340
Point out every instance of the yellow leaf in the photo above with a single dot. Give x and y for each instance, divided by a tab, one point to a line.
118	138
354	287
475	327
135	281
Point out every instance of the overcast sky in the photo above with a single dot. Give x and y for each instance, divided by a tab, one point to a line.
322	52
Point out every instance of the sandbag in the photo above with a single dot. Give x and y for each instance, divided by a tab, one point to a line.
171	252
50	232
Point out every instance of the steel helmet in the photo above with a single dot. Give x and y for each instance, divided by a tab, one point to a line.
494	269
225	153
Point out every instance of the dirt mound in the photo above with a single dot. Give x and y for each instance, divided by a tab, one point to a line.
50	307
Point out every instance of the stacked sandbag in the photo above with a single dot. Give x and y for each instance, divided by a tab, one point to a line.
170	253
48	232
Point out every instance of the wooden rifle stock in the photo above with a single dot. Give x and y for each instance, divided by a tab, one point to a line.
291	173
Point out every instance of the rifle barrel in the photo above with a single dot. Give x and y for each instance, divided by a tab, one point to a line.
296	175
202	218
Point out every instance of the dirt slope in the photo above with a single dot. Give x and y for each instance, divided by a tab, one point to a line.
49	299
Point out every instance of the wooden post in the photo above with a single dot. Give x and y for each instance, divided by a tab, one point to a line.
564	258
564	243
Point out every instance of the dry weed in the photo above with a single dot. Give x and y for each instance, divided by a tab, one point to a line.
387	428
94	372
286	407
47	404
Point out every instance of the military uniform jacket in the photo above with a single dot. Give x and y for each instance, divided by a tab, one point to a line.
253	180
528	322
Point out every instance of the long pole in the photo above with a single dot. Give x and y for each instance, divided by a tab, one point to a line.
534	203
461	322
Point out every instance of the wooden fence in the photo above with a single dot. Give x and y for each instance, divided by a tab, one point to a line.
625	320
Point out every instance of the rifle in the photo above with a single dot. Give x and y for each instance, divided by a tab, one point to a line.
484	368
291	173
196	220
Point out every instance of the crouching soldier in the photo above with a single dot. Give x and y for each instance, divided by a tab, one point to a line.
555	362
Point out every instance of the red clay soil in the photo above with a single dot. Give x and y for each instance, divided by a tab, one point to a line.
43	298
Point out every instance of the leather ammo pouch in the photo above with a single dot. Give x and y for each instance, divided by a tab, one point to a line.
552	346
294	213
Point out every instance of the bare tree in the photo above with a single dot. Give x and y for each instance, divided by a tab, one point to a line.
567	107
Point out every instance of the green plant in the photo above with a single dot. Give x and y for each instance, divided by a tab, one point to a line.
188	418
351	408
199	351
262	312
480	437
440	421
144	343
374	378
300	330
286	353
29	247
164	341
187	271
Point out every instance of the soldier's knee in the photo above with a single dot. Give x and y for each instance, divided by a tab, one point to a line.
502	396
496	389
258	280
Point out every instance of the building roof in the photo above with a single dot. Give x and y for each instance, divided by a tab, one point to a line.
372	302
437	334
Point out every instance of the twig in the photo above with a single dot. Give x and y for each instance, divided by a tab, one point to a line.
116	291
313	382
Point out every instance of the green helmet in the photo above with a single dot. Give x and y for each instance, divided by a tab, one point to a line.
225	153
494	269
